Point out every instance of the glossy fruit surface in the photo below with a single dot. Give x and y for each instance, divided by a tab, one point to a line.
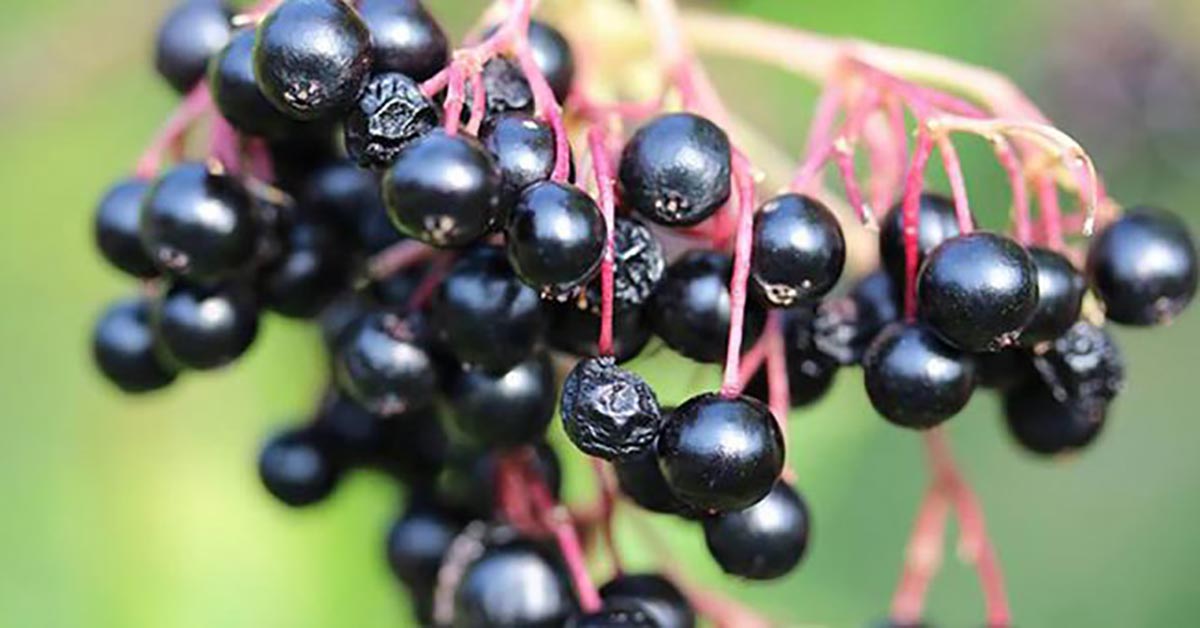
196	223
845	326
914	379
639	263
799	250
523	148
312	270
1045	425
236	94
417	543
205	327
123	347
383	363
188	37
978	291
764	541
576	330
609	412
486	315
555	237
720	454
405	38
504	410
690	310
443	190
554	58
505	88
810	370
296	470
390	114
642	481
1060	297
1143	267
117	229
513	586
675	169
617	615
350	197
658	596
312	57
936	223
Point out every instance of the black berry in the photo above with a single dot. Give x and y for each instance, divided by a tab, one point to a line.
639	264
382	362
418	542
575	329
311	271
799	250
295	468
206	327
1083	366
616	615
123	346
405	38
914	379
117	229
609	412
691	309
236	94
187	38
675	170
936	223
516	584
642	481
1045	425
1060	297
524	149
506	409
764	541
656	595
556	237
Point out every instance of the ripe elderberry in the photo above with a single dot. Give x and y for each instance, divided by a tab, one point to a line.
311	271
205	326
1060	297
639	263
296	469
609	412
914	379
617	615
417	543
523	148
506	409
576	330
556	237
1043	424
675	170
810	370
390	114
404	38
236	94
187	38
936	223
383	364
764	541
642	481
124	347
799	250
656	595
516	584
117	229
690	310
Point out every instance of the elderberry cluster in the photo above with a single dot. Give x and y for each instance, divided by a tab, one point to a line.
466	290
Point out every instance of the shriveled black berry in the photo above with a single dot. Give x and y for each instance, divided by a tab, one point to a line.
236	94
799	250
516	584
1083	366
1144	267
524	149
188	37
914	379
978	291
506	89
937	222
296	469
117	229
312	270
205	326
405	38
1060	297
656	595
691	308
675	170
555	237
638	266
764	541
197	223
575	329
123	346
390	114
383	363
503	410
609	412
614	615
312	57
1045	425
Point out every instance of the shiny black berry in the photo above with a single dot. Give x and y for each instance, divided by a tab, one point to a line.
810	370
936	223
117	229
555	237
915	379
1060	297
642	481
505	88
383	363
198	224
390	114
691	308
205	327
443	190
799	250
764	541
553	56
312	57
1003	370
1045	425
978	291
236	94
296	469
575	329
417	543
405	38
503	410
675	170
656	595
123	346
311	271
639	264
721	454
615	615
351	198
844	327
485	314
524	150
188	37
517	584
1143	267
609	412
410	446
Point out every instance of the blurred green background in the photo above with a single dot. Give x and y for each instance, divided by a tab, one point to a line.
139	513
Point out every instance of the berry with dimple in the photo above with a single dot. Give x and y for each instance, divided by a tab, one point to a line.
676	169
1043	424
721	454
296	469
524	149
205	326
188	37
914	379
799	250
1060	297
390	114
506	90
197	223
609	412
236	94
937	222
639	263
485	314
417	543
405	38
117	228
764	541
615	615
123	346
312	270
506	409
555	237
978	291
443	190
1143	267
515	584
383	363
692	306
312	57
1083	366
576	330
656	595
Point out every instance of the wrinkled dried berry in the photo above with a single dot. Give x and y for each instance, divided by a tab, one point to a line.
609	412
639	265
1083	366
390	113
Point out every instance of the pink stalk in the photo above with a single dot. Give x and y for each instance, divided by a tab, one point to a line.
397	257
478	103
223	145
896	120
842	148
261	164
454	99
923	557
602	168
437	82
608	505
1020	191
844	158
820	132
911	216
914	93
1047	193
751	361
197	103
885	174
741	276
778	390
430	282
806	174
958	185
559	521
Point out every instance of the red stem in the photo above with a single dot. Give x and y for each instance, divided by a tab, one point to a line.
911	216
1020	190
923	557
223	145
778	390
397	257
558	520
958	185
454	99
478	103
608	505
195	104
430	282
751	361
603	170
1047	193
738	287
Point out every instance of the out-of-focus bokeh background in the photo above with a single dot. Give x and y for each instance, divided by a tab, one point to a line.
132	513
